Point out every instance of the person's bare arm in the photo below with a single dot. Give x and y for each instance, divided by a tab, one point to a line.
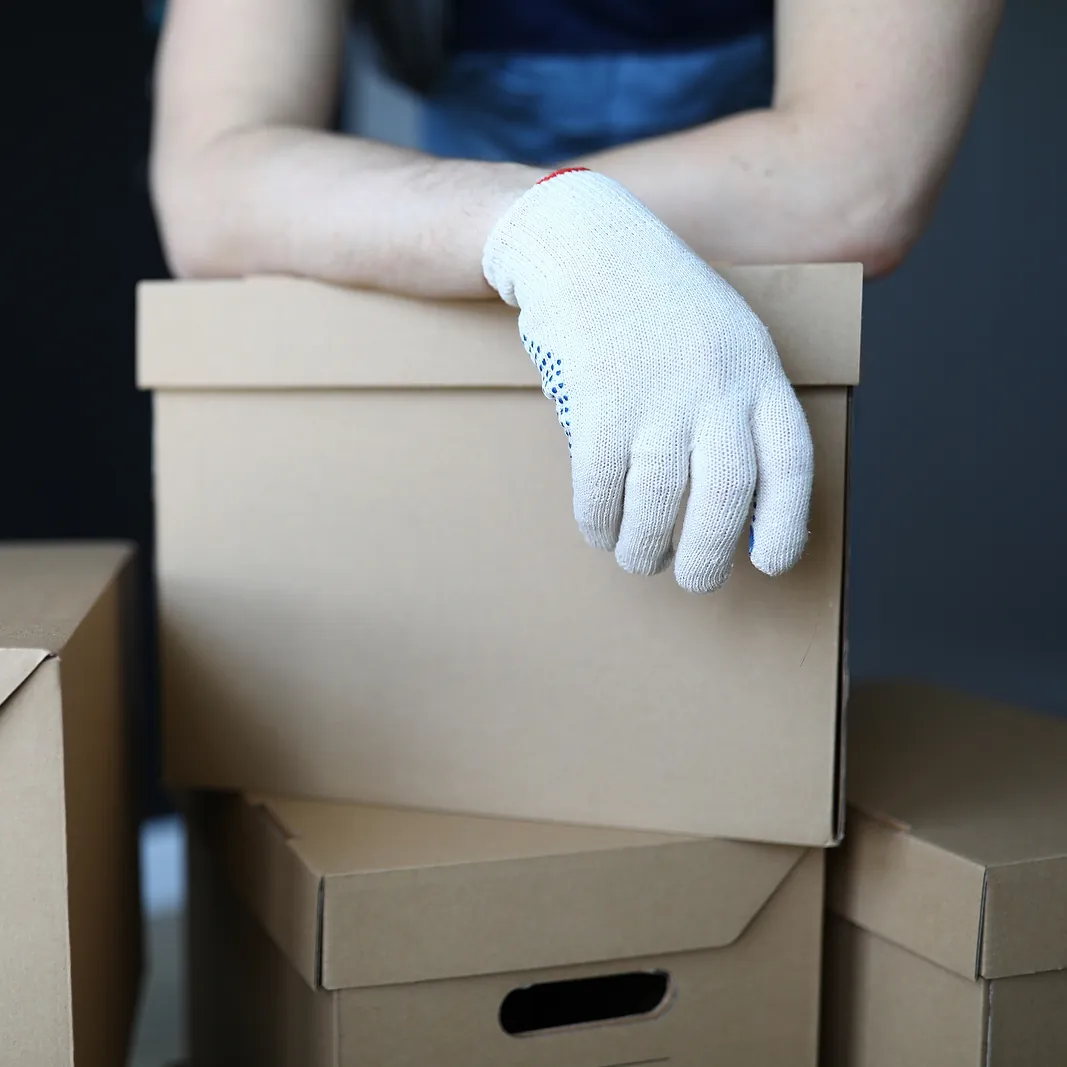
245	178
869	107
871	100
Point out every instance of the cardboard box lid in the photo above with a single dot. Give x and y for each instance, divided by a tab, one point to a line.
278	333
360	896
46	591
956	846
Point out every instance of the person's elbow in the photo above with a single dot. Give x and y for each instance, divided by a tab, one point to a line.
878	222
881	243
187	203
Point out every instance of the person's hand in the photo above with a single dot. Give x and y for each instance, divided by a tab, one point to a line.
662	377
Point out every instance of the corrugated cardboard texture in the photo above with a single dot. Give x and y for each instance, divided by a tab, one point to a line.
35	1013
243	334
909	891
335	535
1029	1021
754	1002
69	911
372	896
258	858
885	1007
102	868
16	665
45	593
966	805
247	1007
361	600
751	1003
47	590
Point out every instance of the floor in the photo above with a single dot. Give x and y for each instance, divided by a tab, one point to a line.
158	1039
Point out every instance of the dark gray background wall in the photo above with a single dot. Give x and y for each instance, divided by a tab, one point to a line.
960	494
959	518
77	234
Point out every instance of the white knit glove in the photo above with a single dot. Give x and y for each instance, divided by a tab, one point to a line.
662	377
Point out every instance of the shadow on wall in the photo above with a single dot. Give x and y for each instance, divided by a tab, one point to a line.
959	503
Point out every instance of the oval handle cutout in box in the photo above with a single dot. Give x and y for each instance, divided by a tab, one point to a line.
584	1002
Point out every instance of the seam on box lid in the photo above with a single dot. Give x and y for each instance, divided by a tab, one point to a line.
803	855
320	932
963	966
985	970
380	388
13	687
335	1035
843	683
259	807
1044	858
981	927
267	813
914	952
987	1037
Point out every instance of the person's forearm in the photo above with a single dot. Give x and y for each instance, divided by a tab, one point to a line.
767	187
336	208
849	162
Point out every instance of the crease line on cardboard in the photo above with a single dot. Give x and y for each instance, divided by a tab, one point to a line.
517	869
335	1029
987	1007
1007	864
843	677
888	822
792	869
264	811
11	686
980	947
320	932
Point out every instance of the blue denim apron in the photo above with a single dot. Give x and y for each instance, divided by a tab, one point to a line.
545	110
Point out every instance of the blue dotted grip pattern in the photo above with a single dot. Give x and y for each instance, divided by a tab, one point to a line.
553	385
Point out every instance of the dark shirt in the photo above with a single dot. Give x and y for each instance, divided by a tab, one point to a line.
593	27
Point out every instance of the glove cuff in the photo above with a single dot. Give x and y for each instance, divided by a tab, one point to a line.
526	239
562	170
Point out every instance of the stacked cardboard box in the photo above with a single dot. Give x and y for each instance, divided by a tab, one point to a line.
374	597
70	937
947	935
372	587
340	935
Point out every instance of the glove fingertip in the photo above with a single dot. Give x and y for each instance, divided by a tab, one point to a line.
775	556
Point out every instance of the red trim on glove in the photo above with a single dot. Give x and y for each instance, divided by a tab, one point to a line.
557	173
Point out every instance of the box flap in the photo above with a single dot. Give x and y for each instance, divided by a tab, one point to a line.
412	896
960	814
16	665
279	333
908	891
1027	1023
46	590
844	675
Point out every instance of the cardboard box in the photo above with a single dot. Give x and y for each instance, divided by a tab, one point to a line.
70	935
344	936
948	942
373	589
